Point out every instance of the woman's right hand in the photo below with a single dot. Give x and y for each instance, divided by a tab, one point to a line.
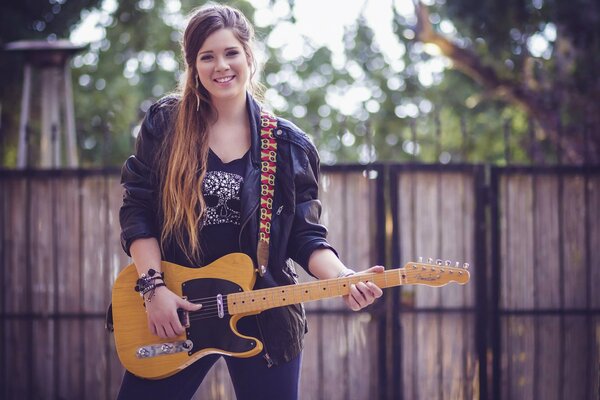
163	319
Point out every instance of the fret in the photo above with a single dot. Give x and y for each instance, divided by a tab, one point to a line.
263	299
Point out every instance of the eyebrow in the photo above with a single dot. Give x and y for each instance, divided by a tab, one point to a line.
228	48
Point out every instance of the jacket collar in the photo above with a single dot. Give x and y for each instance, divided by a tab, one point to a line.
250	196
253	108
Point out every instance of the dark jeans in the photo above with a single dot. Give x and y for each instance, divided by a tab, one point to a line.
252	380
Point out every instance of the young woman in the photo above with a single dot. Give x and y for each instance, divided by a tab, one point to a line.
192	193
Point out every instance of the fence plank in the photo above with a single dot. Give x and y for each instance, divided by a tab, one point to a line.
576	364
470	244
594	370
517	350
361	221
547	358
19	358
16	291
406	223
427	231
546	240
429	351
594	240
94	283
335	357
517	274
362	356
117	259
453	357
68	245
410	367
43	285
3	234
311	379
453	234
575	263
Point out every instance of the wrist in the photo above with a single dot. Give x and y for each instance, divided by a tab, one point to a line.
346	272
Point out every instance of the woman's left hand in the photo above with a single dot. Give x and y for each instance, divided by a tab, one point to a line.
362	294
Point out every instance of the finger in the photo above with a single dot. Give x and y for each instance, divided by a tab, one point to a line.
188	306
376	268
169	331
364	289
352	303
370	292
376	290
177	328
152	328
358	295
161	332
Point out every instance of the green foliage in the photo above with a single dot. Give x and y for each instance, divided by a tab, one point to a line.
399	113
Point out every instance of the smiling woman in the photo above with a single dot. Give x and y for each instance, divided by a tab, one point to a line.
210	168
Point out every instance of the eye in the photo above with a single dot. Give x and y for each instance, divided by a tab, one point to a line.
232	53
206	57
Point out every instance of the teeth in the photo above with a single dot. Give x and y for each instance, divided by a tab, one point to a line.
223	80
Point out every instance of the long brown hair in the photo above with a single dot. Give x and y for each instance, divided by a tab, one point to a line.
184	156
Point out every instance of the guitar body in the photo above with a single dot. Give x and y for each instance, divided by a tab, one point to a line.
207	332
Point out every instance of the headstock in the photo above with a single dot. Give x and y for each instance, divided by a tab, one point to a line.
436	273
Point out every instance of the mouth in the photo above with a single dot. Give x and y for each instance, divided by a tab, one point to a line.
224	79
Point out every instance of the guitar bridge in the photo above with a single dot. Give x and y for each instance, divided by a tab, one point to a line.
159	349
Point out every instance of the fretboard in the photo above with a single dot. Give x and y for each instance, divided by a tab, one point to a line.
263	299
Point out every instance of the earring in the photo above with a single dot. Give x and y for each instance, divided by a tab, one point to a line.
197	97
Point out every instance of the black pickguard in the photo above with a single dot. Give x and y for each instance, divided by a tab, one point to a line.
206	329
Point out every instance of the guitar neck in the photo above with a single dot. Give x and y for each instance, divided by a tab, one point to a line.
263	299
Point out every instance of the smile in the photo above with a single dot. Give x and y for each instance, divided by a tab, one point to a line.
225	79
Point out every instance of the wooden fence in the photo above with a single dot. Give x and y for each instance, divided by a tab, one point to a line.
526	326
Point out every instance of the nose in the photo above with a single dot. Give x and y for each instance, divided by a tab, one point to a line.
222	64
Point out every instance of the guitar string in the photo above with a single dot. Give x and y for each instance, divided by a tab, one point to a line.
208	306
206	312
407	273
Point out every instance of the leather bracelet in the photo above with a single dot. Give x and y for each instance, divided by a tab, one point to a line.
145	280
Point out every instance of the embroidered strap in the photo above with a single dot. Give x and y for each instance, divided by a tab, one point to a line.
268	167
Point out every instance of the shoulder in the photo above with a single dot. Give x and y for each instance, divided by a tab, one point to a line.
296	136
161	114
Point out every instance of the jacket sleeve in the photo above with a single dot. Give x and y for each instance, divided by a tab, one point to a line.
139	213
307	233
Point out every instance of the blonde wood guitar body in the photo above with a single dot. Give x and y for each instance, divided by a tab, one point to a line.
132	334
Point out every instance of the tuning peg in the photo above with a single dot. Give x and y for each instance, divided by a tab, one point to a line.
466	265
420	260
430	260
438	262
457	264
448	263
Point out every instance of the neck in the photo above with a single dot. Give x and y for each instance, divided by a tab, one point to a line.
231	110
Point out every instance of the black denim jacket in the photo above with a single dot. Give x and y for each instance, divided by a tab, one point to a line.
295	228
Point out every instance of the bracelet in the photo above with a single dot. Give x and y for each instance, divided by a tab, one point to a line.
151	289
346	272
146	280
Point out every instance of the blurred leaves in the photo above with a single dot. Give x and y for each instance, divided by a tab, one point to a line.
361	105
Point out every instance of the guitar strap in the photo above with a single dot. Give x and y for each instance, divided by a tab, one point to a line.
268	167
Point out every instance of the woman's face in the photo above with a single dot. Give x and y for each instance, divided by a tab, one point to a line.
223	68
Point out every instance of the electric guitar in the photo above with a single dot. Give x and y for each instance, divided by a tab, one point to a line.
224	288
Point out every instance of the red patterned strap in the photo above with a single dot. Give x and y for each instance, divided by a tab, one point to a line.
268	167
